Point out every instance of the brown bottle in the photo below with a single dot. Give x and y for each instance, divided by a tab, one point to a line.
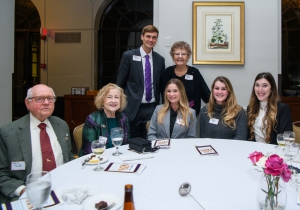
128	200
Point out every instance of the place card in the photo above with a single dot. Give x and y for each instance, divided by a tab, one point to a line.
125	167
206	150
24	204
162	143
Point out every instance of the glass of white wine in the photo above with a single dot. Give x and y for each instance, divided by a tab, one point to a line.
117	135
38	187
280	140
289	137
98	148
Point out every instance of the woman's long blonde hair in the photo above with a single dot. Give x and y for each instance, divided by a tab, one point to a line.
231	108
269	121
183	104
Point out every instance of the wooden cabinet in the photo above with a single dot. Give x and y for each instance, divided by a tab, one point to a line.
294	103
77	108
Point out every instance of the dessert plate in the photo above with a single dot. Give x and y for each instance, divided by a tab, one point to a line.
89	203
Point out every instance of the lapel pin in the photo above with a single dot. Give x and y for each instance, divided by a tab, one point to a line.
67	137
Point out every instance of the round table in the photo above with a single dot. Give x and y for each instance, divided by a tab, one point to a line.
224	181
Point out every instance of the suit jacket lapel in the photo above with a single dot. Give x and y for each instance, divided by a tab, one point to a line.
61	137
167	123
139	66
154	71
24	138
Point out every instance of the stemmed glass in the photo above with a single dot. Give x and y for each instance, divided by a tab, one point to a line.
117	135
293	152
289	137
98	148
281	144
38	187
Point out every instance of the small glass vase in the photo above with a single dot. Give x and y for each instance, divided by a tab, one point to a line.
271	193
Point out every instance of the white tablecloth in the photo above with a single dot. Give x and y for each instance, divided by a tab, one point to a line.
219	182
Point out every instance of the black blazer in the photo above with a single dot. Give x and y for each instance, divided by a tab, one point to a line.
284	121
131	79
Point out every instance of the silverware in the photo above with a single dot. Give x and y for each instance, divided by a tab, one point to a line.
185	189
87	159
109	206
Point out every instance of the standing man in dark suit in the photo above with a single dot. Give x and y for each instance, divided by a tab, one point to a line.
139	75
35	142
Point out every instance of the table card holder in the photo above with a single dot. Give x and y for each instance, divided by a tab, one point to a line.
206	150
125	167
163	143
22	204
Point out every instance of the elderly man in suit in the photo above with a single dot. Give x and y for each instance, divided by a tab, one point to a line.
35	142
139	75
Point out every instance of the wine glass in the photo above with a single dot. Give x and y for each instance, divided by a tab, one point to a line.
289	137
293	152
38	187
117	138
280	140
98	148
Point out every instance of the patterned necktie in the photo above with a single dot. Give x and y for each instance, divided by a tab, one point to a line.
148	82
47	153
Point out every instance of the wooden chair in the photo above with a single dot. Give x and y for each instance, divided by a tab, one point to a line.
296	129
147	125
77	134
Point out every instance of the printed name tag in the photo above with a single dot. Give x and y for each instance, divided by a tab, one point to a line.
214	121
179	121
189	77
18	166
103	138
136	58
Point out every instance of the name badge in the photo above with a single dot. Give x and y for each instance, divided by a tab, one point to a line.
189	77
136	58
18	166
179	121
214	121
103	138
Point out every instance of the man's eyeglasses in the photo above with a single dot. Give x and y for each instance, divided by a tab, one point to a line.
182	54
41	99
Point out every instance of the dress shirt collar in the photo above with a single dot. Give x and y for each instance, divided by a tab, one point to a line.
143	53
34	122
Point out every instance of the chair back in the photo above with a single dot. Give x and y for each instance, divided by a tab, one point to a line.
296	129
147	126
77	134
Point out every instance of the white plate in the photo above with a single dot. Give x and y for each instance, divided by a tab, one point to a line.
89	203
105	159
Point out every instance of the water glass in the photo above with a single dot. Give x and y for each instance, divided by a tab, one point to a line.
289	137
293	152
38	187
117	135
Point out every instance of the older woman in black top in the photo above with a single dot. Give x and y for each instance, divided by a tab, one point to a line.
195	86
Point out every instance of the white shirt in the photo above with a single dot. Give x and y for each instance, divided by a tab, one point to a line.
37	161
143	54
258	132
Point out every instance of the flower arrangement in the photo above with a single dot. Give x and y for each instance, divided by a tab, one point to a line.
274	168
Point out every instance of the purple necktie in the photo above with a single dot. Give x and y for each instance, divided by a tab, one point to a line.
148	82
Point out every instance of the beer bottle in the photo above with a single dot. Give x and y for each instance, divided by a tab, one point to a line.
128	200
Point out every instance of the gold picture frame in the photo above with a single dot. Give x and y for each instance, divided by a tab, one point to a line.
219	33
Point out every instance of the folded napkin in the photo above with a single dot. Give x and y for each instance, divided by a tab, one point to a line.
74	195
135	157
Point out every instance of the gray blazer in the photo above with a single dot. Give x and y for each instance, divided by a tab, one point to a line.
131	79
15	145
159	131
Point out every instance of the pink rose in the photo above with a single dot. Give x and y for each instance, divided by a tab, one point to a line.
274	165
286	173
255	156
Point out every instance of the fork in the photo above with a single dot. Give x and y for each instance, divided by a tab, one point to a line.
87	159
109	206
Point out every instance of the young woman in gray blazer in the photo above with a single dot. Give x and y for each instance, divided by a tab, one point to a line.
174	119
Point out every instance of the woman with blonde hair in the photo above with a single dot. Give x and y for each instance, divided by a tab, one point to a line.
222	117
110	102
173	119
266	115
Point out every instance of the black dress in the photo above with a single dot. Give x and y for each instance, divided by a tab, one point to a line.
195	86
